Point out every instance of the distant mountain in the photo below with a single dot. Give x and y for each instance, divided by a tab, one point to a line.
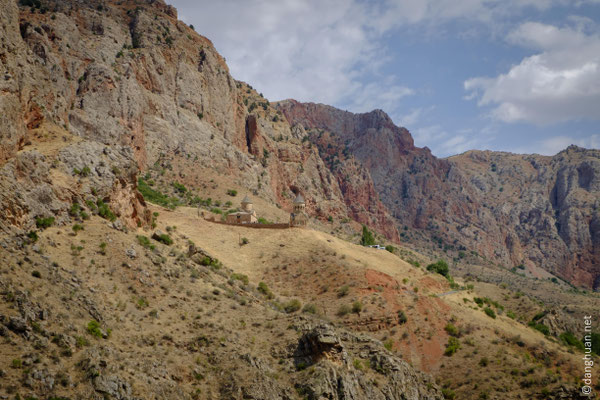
539	212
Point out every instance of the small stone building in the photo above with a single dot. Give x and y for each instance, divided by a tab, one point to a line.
298	217
246	216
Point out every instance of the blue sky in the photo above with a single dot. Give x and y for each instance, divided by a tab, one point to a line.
511	75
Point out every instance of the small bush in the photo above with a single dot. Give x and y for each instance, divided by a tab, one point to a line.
390	248
264	289
240	277
388	344
448	394
36	274
489	312
245	241
105	212
343	291
452	330
17	363
402	317
292	306
483	362
232	192
540	327
93	328
33	236
43	223
452	346
357	307
511	315
145	242
76	228
179	187
166	239
440	267
343	310
310	309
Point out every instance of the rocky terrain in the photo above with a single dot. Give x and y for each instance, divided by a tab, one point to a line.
120	126
531	210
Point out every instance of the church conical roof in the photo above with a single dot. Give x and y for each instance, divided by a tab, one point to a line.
299	199
247	200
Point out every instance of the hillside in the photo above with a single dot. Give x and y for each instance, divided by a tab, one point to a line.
122	131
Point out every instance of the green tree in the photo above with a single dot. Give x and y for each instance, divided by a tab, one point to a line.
367	238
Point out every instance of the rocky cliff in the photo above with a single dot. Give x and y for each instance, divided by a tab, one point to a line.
540	212
130	74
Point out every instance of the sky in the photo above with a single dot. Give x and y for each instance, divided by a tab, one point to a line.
510	75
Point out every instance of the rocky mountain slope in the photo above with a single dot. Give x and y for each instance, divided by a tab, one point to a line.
531	210
120	126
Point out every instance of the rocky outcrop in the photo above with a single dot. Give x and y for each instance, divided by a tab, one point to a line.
332	377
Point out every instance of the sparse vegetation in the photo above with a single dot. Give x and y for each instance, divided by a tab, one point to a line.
292	306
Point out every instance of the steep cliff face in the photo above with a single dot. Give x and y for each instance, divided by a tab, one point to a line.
546	208
512	209
130	74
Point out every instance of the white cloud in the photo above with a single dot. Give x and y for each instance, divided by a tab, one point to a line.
326	51
560	83
322	51
444	144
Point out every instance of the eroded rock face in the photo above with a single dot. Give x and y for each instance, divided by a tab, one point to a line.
513	209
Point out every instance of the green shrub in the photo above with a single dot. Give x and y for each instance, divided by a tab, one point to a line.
489	312
511	315
179	187
17	363
569	339
264	289
483	362
36	274
292	306
388	344
240	277
440	267
165	239
33	236
77	227
452	330
452	346
245	241
402	317
145	242
357	307
390	248
310	309
43	223
448	394
93	328
540	327
343	310
343	291
104	211
232	192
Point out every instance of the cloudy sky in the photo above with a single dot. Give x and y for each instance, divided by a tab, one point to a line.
513	75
